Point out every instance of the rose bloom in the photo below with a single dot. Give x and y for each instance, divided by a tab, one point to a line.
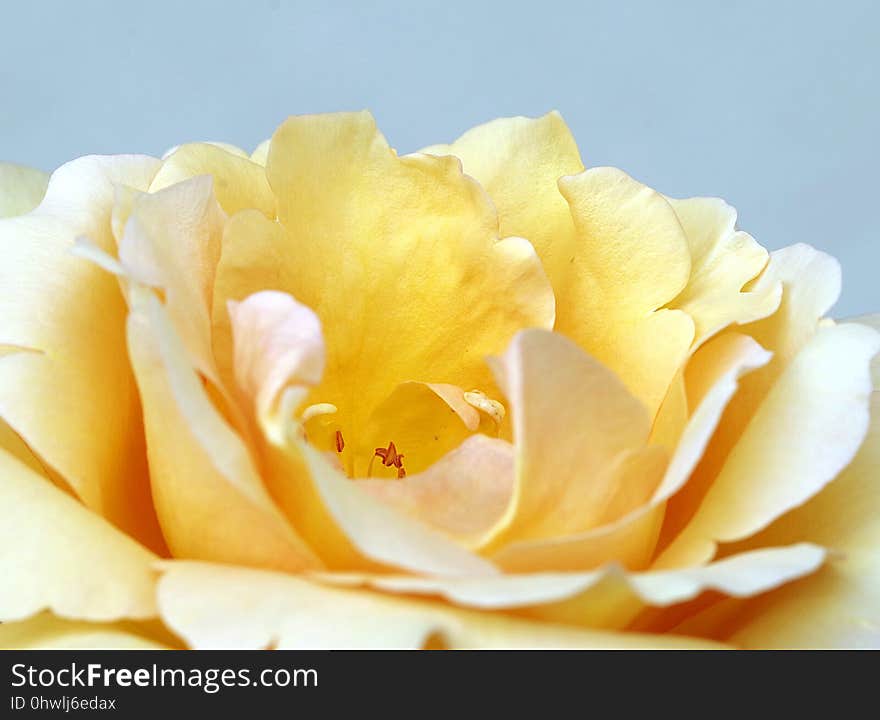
327	396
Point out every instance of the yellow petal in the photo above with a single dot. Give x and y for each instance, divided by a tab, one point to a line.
172	242
399	258
839	606
208	495
57	555
629	259
212	606
462	495
631	540
21	189
71	397
346	525
571	426
261	153
47	632
582	598
518	161
805	432
723	261
238	182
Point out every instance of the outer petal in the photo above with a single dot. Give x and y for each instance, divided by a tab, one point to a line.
57	555
399	257
629	259
238	182
21	189
47	632
69	394
723	261
584	598
838	607
518	161
208	496
172	241
805	432
212	606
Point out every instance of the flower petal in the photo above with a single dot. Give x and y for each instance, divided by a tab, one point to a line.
208	495
47	632
462	495
629	259
518	161
571	426
172	242
723	261
212	606
21	189
278	344
238	182
805	432
839	606
57	555
399	258
69	392
631	540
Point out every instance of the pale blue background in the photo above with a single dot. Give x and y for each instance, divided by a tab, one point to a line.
771	105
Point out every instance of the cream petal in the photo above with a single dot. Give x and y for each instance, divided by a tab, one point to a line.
69	394
172	242
805	432
325	504
47	632
277	344
212	606
570	425
209	497
631	540
462	495
57	555
723	261
838	607
260	155
238	182
21	189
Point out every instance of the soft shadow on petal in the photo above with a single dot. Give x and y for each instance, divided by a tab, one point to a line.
55	554
70	394
805	432
21	189
212	606
723	261
208	494
462	495
839	606
629	259
518	161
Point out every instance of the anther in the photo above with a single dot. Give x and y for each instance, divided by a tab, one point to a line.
340	442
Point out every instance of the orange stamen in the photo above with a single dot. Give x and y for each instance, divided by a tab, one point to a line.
340	443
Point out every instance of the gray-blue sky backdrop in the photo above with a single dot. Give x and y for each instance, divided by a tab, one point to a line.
774	106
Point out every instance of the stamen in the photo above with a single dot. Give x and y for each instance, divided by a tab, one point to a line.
390	457
340	442
484	403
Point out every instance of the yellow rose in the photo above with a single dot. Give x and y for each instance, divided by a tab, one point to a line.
479	396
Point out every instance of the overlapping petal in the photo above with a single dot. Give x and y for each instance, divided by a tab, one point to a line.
21	189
